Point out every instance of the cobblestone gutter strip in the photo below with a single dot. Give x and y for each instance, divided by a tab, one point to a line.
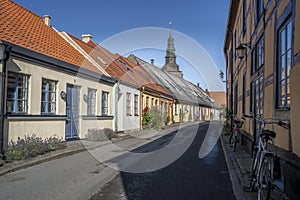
234	172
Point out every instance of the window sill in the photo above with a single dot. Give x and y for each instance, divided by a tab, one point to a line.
94	117
283	109
35	117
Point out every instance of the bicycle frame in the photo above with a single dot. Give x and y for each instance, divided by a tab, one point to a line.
263	162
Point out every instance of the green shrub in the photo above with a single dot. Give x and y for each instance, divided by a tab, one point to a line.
110	133
146	117
167	121
100	134
31	146
190	117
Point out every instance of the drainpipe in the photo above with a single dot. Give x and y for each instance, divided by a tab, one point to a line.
6	53
116	104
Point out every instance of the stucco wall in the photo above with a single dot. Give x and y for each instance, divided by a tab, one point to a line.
295	108
124	121
44	128
18	128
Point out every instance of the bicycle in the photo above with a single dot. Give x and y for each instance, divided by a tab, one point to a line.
233	138
263	162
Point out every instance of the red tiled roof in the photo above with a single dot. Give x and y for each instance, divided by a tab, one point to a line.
21	27
219	97
133	74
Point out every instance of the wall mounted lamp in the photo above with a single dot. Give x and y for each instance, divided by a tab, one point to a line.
63	95
241	50
85	97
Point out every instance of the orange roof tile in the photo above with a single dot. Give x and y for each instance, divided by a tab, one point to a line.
21	27
133	74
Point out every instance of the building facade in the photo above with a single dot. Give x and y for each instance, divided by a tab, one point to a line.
262	47
49	88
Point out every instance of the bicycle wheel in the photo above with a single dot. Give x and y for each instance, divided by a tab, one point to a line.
265	180
254	171
230	138
234	141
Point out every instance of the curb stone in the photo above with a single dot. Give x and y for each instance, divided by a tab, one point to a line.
232	169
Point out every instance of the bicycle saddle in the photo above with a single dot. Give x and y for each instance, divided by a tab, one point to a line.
237	121
269	133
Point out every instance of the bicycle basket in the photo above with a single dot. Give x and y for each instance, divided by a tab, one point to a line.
240	124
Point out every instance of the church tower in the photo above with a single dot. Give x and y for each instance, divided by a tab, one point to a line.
171	65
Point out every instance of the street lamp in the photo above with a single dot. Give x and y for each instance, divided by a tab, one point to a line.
241	50
221	74
4	56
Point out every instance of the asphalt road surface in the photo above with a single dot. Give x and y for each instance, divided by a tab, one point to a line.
189	177
82	177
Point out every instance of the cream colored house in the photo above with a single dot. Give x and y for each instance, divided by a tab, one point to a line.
51	88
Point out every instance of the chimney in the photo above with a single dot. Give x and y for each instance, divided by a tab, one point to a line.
198	85
86	37
207	92
152	61
47	19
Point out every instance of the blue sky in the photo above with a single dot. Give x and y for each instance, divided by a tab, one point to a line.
202	20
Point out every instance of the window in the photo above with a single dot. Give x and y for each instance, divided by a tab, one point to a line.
176	108
244	16
152	102
284	65
259	8
104	103
136	105
244	94
258	55
48	97
166	109
17	93
235	44
91	102
156	102
128	104
147	102
236	96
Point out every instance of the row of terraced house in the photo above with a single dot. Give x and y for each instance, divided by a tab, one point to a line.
55	83
262	49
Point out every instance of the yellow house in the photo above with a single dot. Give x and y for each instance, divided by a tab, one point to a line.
262	50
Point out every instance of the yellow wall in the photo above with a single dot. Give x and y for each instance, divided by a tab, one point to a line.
253	32
295	108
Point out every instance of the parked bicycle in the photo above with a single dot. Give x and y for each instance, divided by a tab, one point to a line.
263	161
234	135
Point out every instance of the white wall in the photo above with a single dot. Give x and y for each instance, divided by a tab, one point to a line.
127	122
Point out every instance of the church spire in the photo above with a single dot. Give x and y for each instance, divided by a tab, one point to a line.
170	52
170	65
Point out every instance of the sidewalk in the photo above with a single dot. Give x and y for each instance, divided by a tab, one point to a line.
239	167
78	146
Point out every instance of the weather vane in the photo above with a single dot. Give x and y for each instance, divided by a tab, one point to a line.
170	23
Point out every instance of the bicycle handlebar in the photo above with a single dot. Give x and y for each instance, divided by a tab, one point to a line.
285	125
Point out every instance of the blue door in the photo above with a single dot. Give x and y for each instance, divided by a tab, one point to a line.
72	111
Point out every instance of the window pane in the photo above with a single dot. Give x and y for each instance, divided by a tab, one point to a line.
289	35
282	39
289	62
48	96
283	66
